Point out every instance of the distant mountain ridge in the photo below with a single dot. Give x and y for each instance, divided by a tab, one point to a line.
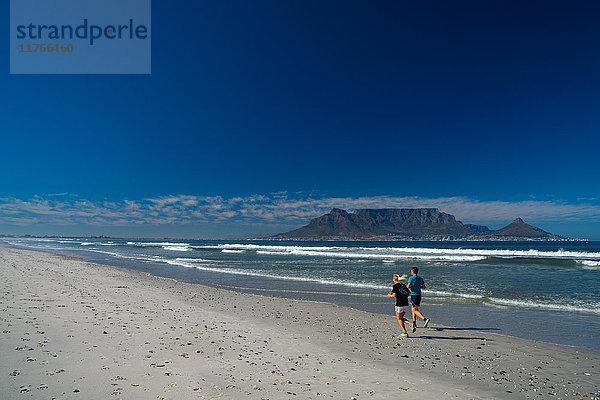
406	224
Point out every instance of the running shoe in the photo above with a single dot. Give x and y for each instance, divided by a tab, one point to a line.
426	323
413	326
404	335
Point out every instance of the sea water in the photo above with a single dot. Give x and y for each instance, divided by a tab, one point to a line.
479	281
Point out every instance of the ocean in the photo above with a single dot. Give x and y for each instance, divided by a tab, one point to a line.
547	291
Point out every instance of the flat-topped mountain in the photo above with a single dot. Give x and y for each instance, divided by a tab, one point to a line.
406	224
369	223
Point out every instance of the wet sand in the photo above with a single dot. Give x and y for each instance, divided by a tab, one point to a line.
74	329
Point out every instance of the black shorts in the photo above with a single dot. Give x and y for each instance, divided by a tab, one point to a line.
415	300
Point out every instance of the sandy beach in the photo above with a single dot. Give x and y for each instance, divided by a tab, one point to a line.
74	329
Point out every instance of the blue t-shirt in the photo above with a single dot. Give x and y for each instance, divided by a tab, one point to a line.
416	283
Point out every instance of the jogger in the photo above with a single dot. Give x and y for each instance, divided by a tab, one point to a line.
415	284
400	292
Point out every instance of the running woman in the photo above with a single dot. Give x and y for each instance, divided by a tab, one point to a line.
400	292
415	284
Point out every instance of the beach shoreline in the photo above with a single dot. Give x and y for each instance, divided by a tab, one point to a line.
577	328
75	329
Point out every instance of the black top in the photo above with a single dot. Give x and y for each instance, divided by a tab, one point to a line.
401	294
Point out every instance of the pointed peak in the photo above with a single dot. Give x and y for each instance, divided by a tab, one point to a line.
518	221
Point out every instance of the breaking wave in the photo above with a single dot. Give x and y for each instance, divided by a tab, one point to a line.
548	305
415	253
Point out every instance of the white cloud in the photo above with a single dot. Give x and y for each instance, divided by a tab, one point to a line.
276	208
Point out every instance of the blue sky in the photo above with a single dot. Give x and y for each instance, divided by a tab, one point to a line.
488	110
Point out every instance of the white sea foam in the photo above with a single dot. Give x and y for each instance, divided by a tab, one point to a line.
449	294
376	256
589	263
549	305
494	301
281	248
156	244
235	271
531	253
117	255
176	248
411	252
40	247
87	243
232	251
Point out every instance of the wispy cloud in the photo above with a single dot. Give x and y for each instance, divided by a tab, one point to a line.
276	208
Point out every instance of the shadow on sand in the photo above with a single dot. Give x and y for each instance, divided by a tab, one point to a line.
465	329
457	337
449	338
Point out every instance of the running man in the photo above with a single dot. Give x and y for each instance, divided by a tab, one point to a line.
400	292
415	284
